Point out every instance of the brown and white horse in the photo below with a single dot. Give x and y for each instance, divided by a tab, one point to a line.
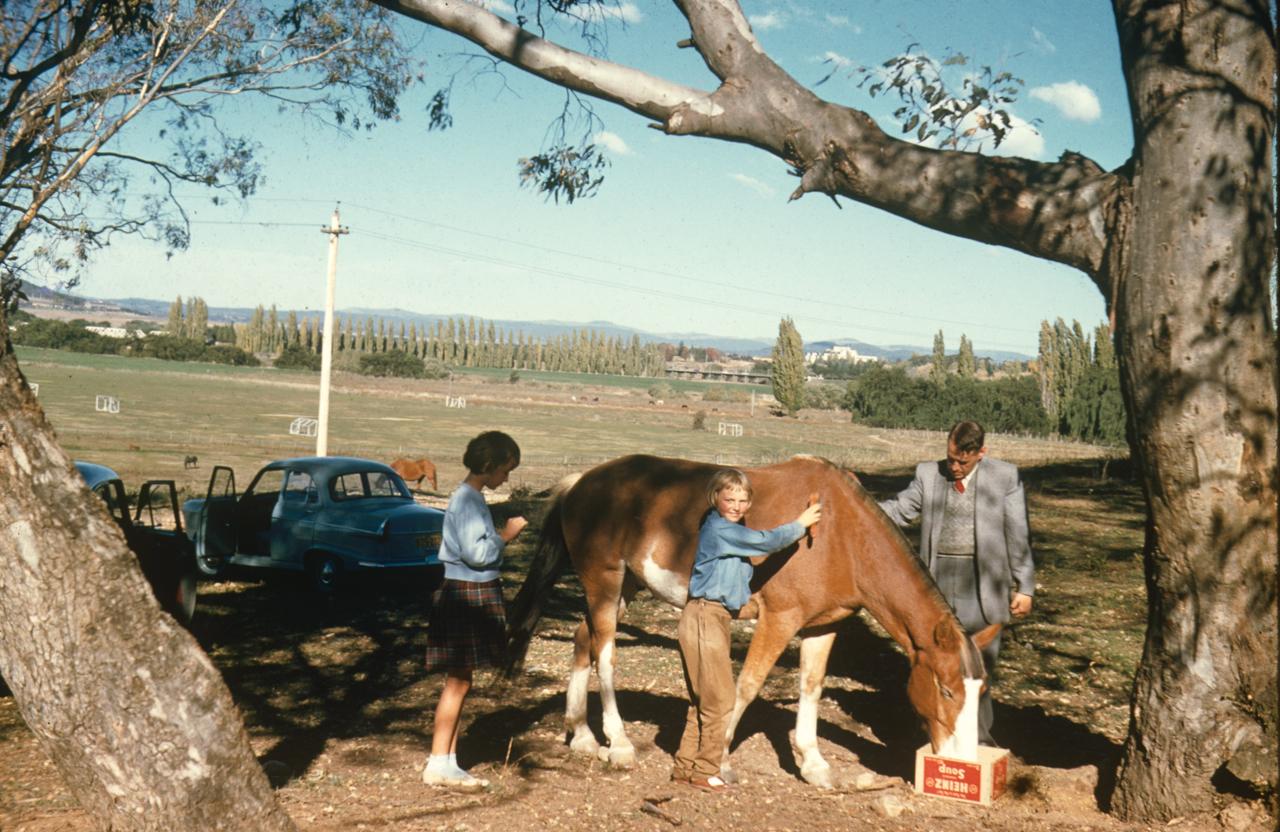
633	523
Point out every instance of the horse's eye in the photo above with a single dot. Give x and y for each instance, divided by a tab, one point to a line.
946	694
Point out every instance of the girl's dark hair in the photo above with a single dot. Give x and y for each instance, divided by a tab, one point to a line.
490	450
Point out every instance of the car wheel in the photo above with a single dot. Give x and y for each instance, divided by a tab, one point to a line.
326	572
209	565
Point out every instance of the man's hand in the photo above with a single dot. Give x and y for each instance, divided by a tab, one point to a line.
1020	605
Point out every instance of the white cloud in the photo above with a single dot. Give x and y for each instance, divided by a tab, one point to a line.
613	142
839	21
1021	140
496	6
764	22
1041	41
1073	99
836	60
752	183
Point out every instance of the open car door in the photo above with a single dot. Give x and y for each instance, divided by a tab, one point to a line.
215	535
168	562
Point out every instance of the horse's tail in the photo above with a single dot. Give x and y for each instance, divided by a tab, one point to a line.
549	561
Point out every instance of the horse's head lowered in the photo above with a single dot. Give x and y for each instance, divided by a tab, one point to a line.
937	686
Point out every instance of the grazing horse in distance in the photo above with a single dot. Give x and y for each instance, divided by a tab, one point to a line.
633	523
191	461
414	470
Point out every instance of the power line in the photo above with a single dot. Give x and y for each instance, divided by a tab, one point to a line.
595	281
662	273
718	285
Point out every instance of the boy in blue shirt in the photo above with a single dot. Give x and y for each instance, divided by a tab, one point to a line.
718	588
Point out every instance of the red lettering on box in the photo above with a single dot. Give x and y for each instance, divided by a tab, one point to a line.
950	778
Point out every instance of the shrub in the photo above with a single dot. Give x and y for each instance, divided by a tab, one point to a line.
224	354
347	361
824	396
661	390
434	368
393	364
172	348
700	420
295	357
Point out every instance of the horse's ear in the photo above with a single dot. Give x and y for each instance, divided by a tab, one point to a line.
946	635
984	636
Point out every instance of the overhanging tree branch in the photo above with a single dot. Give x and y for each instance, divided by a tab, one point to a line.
1058	211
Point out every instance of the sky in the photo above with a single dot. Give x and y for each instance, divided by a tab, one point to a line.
687	235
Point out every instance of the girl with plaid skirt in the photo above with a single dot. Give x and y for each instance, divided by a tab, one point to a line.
467	628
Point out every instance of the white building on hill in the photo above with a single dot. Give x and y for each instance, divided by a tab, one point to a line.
838	353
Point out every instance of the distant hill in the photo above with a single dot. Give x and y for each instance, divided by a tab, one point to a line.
159	309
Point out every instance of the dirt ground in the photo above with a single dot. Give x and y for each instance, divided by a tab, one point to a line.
339	711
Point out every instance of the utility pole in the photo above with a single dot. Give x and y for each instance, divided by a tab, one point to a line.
326	343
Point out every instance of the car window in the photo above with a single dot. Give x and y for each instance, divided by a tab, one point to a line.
268	483
296	486
347	487
360	484
382	485
112	493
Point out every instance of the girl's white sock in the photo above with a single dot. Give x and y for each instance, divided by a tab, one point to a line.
457	770
440	763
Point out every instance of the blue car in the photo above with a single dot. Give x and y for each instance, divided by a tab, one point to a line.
324	516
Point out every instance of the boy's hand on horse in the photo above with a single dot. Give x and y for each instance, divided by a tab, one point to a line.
810	515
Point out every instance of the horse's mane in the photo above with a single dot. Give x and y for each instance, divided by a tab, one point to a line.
891	528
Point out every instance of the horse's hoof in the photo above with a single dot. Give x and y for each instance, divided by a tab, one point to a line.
728	775
619	757
819	776
585	744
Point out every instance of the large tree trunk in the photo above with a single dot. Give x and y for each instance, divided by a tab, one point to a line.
1197	352
122	699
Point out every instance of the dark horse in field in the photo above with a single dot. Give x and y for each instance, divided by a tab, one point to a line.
633	523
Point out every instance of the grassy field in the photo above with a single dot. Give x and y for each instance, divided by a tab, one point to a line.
241	417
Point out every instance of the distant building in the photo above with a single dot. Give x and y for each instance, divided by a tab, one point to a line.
838	353
116	332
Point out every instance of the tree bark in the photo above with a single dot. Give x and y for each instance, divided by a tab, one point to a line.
1181	243
121	698
1197	354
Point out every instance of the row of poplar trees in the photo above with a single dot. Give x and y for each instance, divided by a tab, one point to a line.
457	343
189	320
1080	382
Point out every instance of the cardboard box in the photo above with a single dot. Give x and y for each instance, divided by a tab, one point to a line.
980	781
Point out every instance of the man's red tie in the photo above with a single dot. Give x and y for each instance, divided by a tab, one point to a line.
959	486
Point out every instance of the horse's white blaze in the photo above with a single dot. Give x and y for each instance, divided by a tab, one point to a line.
670	586
963	744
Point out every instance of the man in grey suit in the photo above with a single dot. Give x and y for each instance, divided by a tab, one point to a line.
974	539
